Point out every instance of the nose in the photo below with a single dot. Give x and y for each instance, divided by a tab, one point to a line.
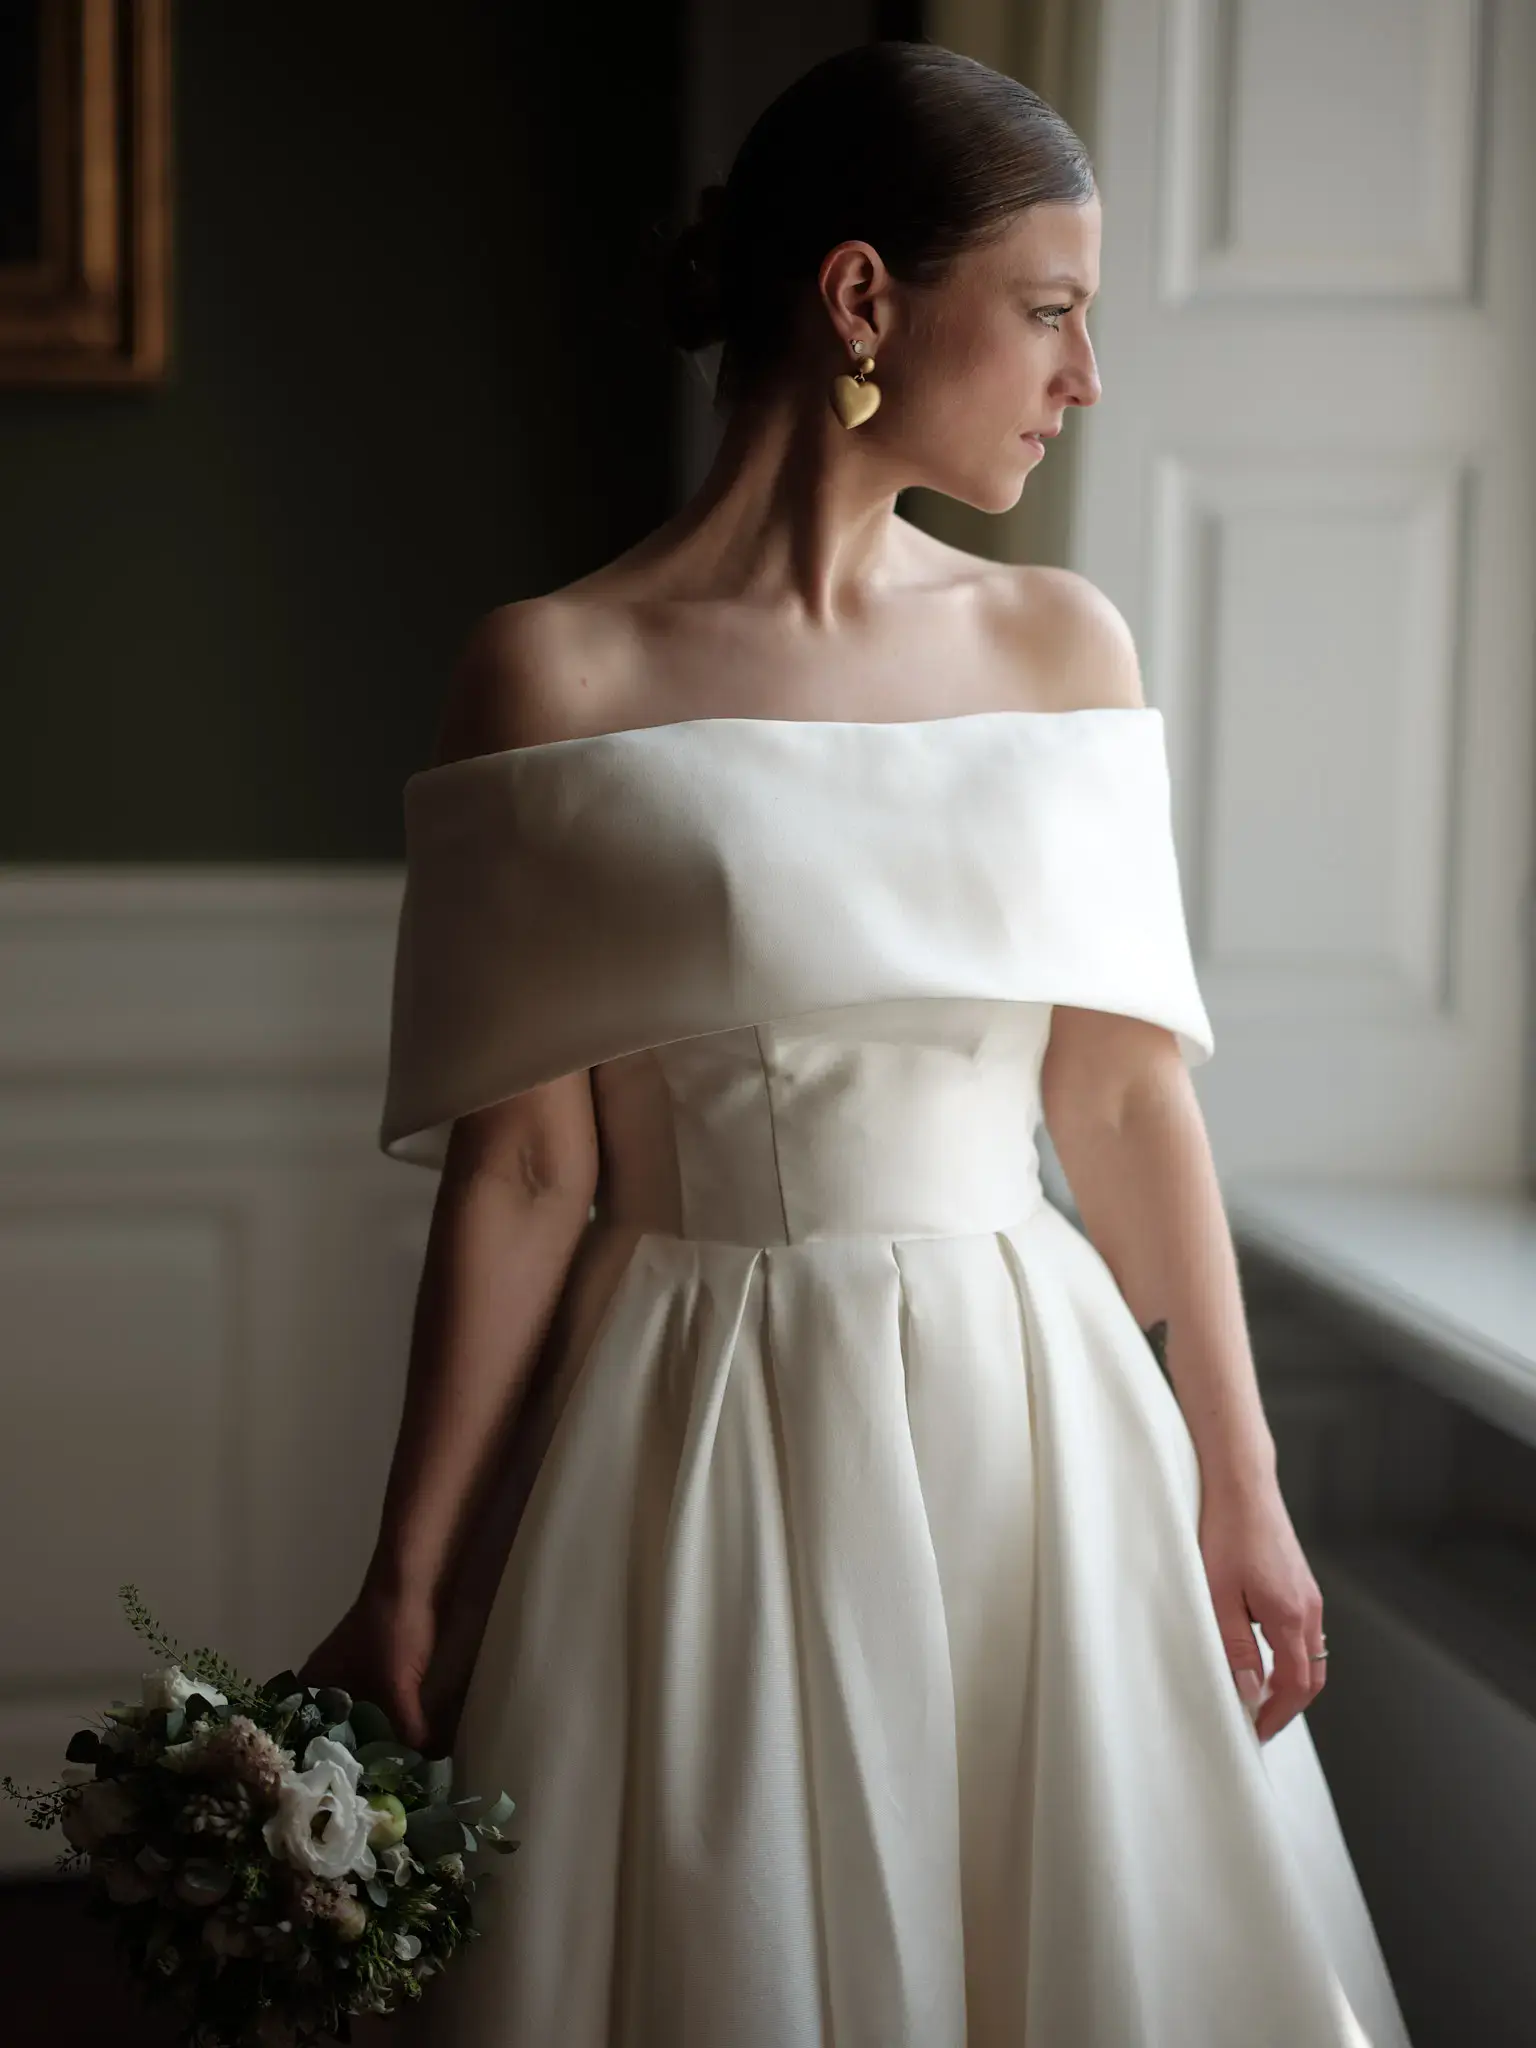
1080	377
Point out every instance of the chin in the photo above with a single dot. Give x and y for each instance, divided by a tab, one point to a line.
997	494
993	488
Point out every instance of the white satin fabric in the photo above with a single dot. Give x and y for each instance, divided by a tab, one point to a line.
854	1667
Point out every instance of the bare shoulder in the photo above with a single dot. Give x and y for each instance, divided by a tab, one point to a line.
541	668
1072	639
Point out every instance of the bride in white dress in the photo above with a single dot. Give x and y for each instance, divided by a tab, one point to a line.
849	1567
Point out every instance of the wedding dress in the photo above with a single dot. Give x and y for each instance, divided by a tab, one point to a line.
854	1668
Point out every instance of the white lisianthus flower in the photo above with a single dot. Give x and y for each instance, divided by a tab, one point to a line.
322	1821
170	1687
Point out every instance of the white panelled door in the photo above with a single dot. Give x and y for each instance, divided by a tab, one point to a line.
1311	487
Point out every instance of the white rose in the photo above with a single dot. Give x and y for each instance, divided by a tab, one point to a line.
323	1794
170	1687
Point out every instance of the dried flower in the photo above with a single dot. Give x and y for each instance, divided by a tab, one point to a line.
350	1918
237	1746
225	1813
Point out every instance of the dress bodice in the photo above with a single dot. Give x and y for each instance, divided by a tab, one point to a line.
913	1118
812	963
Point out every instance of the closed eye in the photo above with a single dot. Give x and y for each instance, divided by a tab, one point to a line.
1051	313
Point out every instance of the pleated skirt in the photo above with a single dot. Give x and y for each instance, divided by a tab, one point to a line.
856	1675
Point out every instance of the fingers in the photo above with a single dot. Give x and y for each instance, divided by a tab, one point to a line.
1243	1654
410	1718
1298	1676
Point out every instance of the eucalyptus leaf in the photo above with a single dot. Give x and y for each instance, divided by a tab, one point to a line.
377	1892
377	1752
498	1813
436	1776
471	1839
433	1831
175	1723
371	1722
343	1733
84	1748
286	1682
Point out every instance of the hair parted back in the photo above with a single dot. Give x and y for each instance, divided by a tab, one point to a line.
914	148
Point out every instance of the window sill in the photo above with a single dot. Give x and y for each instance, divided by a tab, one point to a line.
1446	1277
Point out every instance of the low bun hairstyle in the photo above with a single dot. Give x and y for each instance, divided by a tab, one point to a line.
909	146
693	298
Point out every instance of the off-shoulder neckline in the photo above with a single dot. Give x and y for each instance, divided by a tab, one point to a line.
624	733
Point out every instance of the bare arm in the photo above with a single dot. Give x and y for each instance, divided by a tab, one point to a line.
1126	1123
512	1205
1123	1117
516	1189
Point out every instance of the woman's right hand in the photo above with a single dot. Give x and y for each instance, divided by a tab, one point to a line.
381	1650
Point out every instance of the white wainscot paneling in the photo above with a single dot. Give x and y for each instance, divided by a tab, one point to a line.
206	1277
117	1413
1322	145
1308	631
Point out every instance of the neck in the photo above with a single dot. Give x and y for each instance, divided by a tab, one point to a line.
796	514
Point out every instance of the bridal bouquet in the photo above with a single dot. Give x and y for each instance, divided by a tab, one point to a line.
273	1859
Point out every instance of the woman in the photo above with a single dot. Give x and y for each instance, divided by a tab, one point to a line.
874	1663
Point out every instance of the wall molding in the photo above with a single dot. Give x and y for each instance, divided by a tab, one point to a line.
206	1274
183	973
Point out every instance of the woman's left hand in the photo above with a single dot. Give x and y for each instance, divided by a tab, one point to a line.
1257	1573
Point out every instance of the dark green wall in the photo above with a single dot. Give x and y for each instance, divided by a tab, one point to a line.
418	373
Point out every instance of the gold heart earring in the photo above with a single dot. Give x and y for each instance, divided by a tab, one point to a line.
855	399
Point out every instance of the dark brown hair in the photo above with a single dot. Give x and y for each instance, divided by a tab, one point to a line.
906	145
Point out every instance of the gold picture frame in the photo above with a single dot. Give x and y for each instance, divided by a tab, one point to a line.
85	232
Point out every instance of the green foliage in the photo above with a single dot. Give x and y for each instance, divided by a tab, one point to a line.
46	1804
202	1663
176	1854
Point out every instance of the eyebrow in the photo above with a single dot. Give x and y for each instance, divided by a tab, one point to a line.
1062	281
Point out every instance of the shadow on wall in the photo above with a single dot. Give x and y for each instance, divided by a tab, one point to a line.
404	265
